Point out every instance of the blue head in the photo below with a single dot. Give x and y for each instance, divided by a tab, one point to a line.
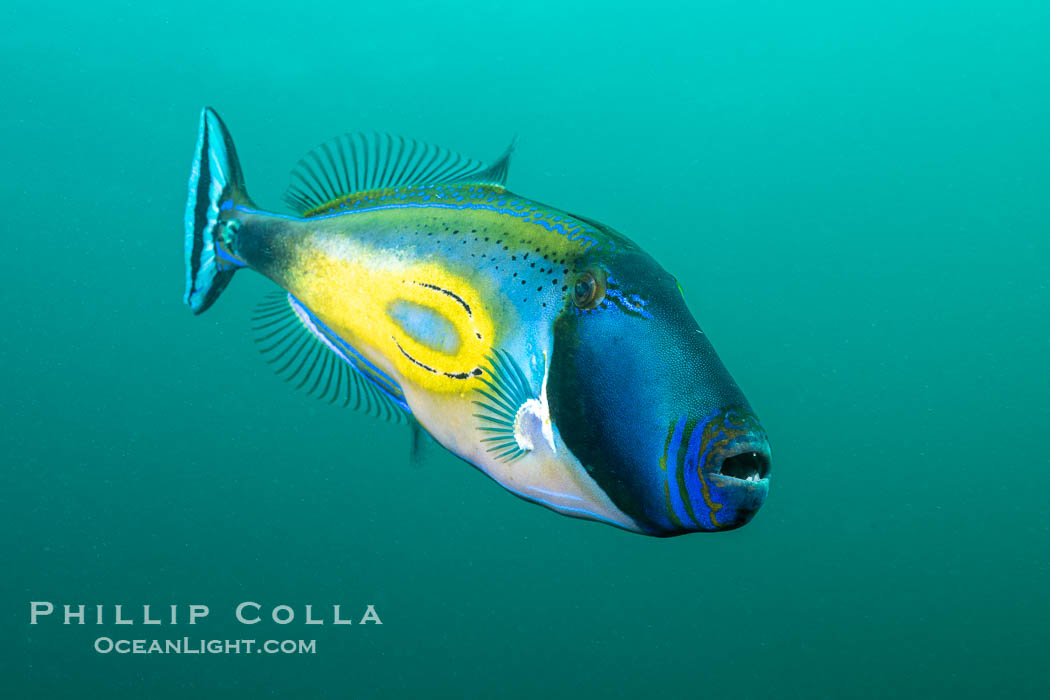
642	400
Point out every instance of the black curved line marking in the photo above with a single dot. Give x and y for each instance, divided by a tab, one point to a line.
426	367
463	375
451	375
455	296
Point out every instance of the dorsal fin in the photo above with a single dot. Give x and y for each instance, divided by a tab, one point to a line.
302	349
360	162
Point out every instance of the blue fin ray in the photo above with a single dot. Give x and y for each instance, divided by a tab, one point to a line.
216	183
509	391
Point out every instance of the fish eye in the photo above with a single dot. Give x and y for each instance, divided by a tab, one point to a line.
587	293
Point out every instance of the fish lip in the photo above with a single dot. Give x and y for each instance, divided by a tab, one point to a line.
723	481
750	461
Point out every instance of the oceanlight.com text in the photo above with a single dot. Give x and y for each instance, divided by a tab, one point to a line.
186	645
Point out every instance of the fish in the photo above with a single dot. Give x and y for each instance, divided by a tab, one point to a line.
542	347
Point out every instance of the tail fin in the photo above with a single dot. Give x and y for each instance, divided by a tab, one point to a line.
216	185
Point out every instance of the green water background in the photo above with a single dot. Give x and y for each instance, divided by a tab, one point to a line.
855	196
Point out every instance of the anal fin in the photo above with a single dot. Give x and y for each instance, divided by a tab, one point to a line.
306	353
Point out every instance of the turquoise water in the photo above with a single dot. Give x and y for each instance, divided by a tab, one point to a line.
856	201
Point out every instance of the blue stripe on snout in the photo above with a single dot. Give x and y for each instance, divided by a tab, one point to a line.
694	462
673	468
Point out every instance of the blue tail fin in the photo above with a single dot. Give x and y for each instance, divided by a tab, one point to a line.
216	185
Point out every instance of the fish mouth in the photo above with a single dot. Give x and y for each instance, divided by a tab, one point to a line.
744	464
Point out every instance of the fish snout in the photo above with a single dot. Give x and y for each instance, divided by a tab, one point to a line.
720	477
